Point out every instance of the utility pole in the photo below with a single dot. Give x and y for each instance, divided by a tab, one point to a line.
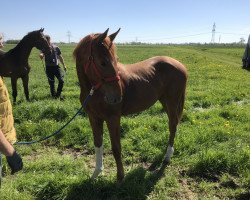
69	35
213	34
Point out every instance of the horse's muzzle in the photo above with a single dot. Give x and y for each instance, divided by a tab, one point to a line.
112	100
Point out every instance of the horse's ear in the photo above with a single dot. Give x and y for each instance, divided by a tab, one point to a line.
102	36
41	30
113	35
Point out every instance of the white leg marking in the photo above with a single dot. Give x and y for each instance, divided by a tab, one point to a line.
169	153
99	162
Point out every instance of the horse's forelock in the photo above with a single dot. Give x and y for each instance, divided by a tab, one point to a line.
110	47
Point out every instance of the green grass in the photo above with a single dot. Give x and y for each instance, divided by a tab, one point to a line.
212	152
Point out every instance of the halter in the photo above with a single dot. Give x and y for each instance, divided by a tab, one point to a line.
97	71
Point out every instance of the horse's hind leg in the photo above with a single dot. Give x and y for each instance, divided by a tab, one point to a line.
25	80
97	128
174	108
14	88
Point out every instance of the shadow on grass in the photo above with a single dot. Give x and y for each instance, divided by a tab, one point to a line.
138	184
243	196
246	68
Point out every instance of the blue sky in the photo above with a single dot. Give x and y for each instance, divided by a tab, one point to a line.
155	21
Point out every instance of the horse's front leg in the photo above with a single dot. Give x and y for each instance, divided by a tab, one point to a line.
25	80
114	130
97	128
14	88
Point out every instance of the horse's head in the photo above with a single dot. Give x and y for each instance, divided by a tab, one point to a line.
101	66
40	41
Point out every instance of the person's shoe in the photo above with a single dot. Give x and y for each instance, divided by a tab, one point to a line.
53	96
15	162
61	98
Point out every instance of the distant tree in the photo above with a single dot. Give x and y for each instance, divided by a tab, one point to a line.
12	41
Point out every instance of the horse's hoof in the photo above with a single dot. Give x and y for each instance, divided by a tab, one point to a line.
96	173
119	183
166	161
170	152
120	178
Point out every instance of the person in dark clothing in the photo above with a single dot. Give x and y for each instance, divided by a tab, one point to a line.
246	55
53	69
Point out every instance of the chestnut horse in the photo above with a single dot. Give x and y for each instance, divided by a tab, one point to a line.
14	63
125	89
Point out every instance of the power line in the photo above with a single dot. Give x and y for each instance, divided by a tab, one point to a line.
232	33
184	36
162	38
176	37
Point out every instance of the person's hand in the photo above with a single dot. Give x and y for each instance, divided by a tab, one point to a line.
65	68
41	56
15	162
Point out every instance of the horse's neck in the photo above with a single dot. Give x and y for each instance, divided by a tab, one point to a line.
86	86
2	53
24	48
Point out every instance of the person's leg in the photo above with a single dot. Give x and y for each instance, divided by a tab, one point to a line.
60	76
51	80
243	62
248	62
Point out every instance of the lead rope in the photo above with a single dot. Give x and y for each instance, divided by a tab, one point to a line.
60	129
55	133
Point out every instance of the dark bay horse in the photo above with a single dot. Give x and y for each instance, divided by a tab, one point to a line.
14	63
125	89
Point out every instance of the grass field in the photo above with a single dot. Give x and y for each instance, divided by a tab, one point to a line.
212	148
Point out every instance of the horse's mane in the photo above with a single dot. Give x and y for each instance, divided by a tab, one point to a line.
22	41
30	33
83	46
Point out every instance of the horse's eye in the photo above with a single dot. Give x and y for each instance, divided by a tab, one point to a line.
103	64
